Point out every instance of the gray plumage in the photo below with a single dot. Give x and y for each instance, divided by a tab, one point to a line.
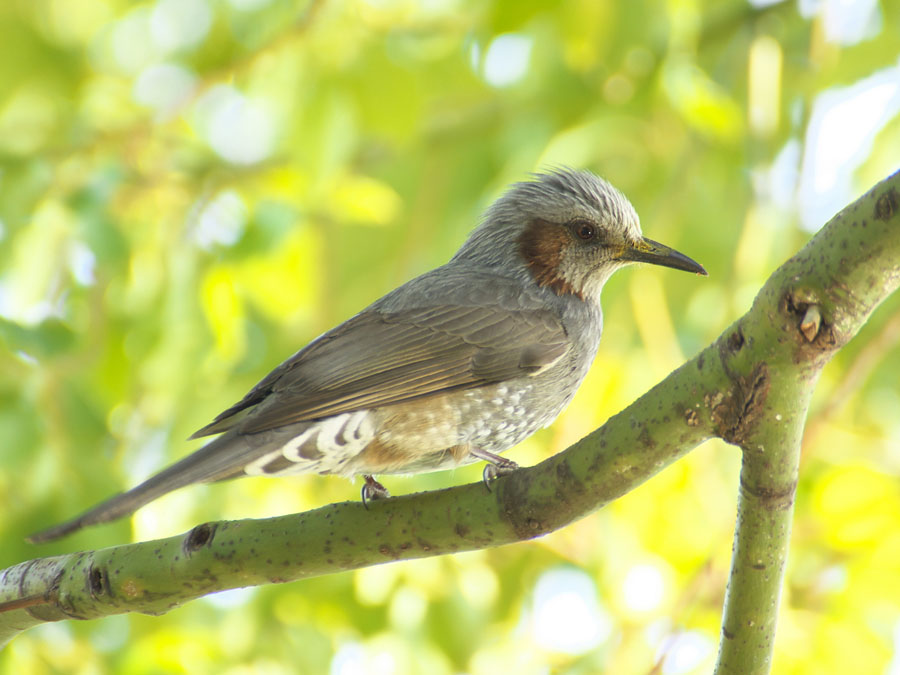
456	365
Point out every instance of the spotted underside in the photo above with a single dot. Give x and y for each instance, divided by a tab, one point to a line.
425	435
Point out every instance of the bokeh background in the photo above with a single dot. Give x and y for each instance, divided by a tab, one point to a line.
191	190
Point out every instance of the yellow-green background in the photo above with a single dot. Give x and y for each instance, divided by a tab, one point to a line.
130	315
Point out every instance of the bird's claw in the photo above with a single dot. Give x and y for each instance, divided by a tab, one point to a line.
372	490
499	467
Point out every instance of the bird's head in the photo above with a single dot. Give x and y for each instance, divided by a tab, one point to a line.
570	230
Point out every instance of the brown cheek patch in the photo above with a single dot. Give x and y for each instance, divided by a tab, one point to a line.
542	246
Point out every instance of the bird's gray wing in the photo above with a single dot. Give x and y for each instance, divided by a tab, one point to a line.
379	358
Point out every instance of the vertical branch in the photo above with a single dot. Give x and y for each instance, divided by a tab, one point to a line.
769	470
808	309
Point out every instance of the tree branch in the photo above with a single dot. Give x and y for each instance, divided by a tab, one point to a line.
807	310
751	387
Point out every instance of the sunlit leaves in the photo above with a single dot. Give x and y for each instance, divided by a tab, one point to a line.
191	191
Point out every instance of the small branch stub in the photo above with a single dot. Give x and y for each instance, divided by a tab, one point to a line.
811	322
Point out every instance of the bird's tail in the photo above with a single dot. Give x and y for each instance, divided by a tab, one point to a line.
214	461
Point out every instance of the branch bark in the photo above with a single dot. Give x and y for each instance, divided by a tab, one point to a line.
750	387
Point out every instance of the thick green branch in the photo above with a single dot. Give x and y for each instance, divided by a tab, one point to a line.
809	308
750	387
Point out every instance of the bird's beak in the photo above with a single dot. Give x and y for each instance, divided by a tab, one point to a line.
653	252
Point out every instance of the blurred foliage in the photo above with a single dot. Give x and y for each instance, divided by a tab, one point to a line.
191	190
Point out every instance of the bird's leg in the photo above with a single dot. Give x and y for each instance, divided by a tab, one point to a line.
372	490
496	465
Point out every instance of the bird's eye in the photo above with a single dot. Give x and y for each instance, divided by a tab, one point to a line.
585	230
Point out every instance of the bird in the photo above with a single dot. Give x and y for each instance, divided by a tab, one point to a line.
453	367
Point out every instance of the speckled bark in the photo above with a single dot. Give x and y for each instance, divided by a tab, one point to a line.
751	387
808	309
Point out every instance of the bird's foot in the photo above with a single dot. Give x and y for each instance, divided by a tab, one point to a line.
496	466
372	490
491	471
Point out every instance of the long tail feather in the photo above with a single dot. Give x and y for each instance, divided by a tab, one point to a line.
222	458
